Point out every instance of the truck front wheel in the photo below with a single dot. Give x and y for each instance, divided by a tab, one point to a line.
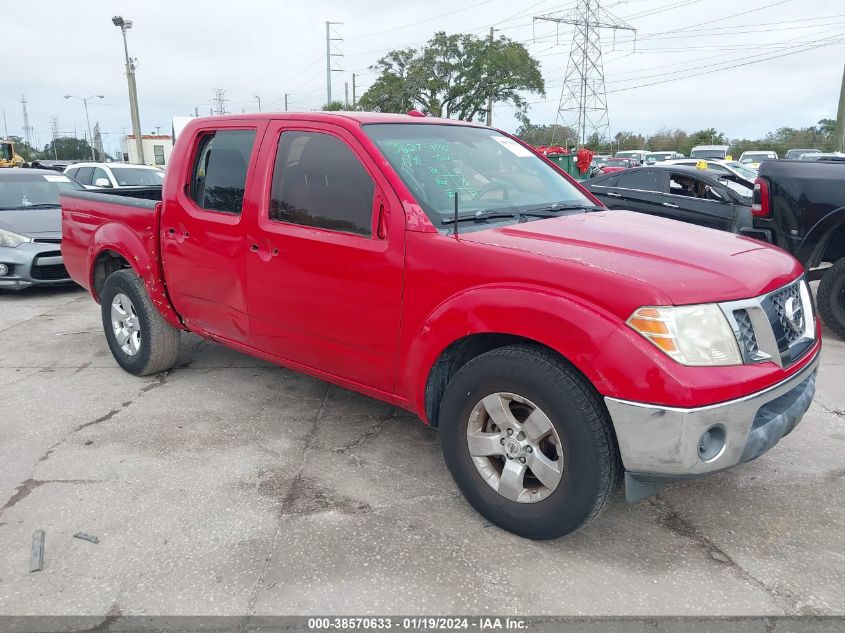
831	297
529	442
141	341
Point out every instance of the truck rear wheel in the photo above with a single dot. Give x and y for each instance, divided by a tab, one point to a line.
831	297
141	341
529	442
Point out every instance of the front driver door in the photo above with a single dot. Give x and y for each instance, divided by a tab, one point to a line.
326	256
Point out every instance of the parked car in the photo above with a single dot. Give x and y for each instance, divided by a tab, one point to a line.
448	269
617	164
710	151
800	206
822	156
597	163
53	165
795	154
724	166
635	154
698	196
115	175
31	228
753	159
658	157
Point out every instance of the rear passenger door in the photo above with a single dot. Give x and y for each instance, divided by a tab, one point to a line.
640	189
202	230
326	255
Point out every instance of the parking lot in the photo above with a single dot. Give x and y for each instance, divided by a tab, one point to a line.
230	486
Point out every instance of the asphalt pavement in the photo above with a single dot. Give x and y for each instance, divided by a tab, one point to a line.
229	486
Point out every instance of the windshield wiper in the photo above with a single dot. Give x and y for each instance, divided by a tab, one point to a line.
550	210
480	216
31	206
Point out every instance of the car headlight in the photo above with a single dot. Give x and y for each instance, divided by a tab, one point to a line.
7	238
692	335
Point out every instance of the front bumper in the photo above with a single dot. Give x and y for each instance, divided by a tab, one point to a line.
660	444
33	264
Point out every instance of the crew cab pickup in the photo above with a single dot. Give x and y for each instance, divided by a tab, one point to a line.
800	206
448	269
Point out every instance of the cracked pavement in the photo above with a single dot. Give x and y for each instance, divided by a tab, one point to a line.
228	486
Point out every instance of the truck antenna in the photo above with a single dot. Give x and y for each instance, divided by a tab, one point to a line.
456	214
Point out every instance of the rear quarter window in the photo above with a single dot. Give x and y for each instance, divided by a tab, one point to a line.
218	177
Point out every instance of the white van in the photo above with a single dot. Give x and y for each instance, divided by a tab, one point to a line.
719	152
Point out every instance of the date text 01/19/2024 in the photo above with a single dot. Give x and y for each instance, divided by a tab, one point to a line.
425	623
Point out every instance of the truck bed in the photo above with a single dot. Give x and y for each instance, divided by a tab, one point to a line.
90	217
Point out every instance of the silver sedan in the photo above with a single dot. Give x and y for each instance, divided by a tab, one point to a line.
31	228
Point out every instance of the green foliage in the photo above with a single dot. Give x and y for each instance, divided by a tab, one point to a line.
67	148
552	134
453	76
334	106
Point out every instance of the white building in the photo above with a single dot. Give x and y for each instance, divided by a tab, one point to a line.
157	149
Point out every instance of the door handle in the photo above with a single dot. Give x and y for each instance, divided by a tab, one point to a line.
613	195
670	205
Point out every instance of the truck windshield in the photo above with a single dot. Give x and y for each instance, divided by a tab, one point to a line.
486	170
26	190
135	176
707	153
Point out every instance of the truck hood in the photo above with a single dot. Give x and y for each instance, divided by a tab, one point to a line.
33	222
687	263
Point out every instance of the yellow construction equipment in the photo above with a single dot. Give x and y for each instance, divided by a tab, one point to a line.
8	158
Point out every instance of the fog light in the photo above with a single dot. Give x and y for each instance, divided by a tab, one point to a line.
712	443
3	270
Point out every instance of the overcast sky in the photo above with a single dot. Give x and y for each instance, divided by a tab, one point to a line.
186	49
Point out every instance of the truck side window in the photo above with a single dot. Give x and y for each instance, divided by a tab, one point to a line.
318	181
219	174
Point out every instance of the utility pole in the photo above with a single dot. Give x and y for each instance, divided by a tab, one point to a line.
84	101
286	102
840	118
259	102
490	89
354	100
329	55
346	95
5	126
133	89
583	98
27	129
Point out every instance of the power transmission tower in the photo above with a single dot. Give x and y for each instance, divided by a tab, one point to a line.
583	99
98	142
219	101
54	132
329	55
27	128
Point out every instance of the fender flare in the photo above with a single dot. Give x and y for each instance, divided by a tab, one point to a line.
573	328
819	233
116	237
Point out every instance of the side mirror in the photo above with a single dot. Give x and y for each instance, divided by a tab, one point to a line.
102	182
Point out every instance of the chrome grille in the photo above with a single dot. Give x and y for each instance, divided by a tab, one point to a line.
747	339
779	299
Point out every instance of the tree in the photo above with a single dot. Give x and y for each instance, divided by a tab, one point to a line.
334	106
550	134
453	76
67	148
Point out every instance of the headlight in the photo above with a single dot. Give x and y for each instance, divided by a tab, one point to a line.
7	238
692	335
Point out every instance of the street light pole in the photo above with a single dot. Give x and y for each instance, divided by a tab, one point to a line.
259	102
133	91
84	101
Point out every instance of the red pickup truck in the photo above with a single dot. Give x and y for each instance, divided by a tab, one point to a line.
448	269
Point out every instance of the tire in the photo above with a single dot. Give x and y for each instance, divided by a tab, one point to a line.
831	297
591	467
150	344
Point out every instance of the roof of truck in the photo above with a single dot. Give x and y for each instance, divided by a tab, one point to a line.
361	117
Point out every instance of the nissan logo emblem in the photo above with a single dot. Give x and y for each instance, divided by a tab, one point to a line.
794	314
